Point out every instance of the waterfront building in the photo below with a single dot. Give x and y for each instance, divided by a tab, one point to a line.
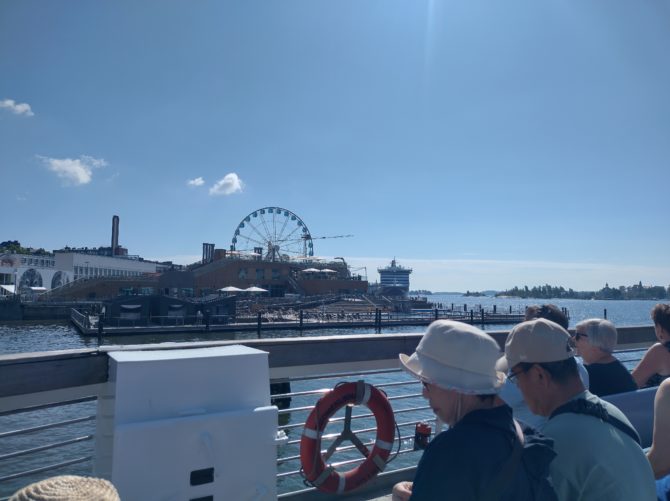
36	271
45	271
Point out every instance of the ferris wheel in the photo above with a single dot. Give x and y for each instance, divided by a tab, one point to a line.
275	233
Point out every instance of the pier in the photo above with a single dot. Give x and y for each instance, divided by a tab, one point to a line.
304	320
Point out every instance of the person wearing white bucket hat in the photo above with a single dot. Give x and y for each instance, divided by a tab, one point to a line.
484	454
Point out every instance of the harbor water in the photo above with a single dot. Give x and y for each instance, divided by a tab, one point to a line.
18	338
33	337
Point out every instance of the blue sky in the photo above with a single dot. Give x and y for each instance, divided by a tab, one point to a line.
486	144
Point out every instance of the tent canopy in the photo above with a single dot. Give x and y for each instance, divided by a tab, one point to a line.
310	270
254	289
230	288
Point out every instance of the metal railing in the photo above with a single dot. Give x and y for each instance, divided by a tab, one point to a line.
409	408
41	439
47	423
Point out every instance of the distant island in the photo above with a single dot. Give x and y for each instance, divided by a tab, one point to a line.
638	291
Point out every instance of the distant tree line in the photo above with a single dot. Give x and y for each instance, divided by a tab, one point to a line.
14	247
637	291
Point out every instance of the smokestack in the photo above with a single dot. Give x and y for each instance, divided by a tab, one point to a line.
207	253
115	234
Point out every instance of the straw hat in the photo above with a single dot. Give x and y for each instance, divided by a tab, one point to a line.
456	356
68	488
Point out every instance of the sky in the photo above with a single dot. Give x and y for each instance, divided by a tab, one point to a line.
485	144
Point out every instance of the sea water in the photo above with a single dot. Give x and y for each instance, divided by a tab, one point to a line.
33	337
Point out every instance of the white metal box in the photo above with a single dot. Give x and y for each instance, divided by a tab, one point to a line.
172	383
228	456
188	424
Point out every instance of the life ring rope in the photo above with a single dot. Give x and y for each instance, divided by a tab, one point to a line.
326	477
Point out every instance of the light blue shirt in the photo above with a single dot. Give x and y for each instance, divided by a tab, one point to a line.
596	461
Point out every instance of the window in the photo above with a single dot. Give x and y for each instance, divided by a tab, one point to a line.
242	273
275	274
260	274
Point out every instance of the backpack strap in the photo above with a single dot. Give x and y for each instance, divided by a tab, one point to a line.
507	471
597	410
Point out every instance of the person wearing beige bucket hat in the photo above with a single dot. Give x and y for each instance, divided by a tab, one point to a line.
598	451
484	454
68	488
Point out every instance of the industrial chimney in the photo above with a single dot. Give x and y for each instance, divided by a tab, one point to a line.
115	235
207	253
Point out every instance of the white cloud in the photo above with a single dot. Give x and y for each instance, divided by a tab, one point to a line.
112	177
75	171
198	181
17	108
231	183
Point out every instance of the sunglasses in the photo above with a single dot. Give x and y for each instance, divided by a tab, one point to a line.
579	335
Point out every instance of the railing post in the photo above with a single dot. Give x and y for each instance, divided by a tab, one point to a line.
605	314
436	314
472	316
258	325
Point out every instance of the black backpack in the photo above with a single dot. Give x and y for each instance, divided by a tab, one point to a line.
542	487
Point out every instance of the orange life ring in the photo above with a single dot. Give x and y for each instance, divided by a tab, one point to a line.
326	478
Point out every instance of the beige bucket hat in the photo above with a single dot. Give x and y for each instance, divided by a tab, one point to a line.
456	356
68	488
536	341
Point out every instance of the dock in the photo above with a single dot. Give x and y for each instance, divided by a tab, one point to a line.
89	325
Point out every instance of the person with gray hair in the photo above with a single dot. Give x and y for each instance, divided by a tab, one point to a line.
595	340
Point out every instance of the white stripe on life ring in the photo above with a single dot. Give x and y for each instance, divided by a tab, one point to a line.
340	482
366	395
384	445
310	433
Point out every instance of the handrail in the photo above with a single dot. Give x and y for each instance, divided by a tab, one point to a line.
50	467
43	427
36	381
49	405
328	357
41	448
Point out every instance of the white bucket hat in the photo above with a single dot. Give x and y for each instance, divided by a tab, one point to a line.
68	488
456	356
